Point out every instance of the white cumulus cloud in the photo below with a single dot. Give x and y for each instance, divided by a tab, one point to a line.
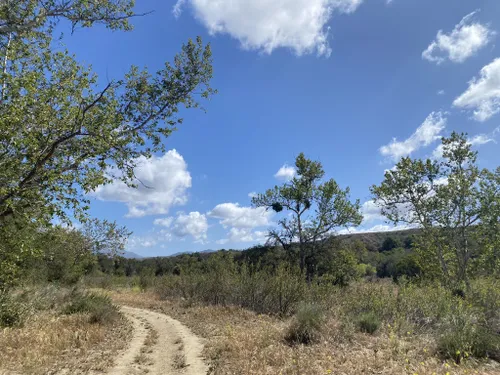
233	215
165	221
466	39
265	25
376	228
193	224
371	212
140	242
425	134
483	94
240	235
285	173
236	235
163	183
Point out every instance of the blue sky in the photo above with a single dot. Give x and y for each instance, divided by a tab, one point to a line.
355	84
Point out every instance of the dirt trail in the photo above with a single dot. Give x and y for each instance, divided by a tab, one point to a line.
160	345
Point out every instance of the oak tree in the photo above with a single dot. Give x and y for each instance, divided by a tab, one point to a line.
449	200
62	131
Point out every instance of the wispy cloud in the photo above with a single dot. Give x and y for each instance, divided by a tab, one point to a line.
466	39
425	134
483	94
285	173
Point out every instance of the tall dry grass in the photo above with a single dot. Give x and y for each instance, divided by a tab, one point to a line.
411	320
48	341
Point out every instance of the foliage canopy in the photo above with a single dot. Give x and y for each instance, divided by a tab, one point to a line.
453	202
64	133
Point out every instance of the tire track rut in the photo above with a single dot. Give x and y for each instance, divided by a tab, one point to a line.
160	345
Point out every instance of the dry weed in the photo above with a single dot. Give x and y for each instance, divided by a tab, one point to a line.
151	339
179	361
242	342
49	343
142	359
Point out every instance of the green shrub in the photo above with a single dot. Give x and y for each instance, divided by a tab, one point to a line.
368	322
264	291
306	325
252	289
146	278
463	334
425	305
344	268
42	298
99	307
285	289
364	297
11	313
105	282
189	286
485	297
470	340
104	314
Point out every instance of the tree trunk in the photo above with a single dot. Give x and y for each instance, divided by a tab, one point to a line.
5	61
302	252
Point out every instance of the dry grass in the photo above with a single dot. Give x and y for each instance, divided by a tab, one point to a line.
242	342
142	359
50	343
179	361
151	339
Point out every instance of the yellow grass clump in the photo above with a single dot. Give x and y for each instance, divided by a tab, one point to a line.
50	343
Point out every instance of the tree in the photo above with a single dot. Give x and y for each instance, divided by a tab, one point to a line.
488	233
66	255
62	133
396	263
390	243
18	244
56	253
336	263
446	199
105	237
24	16
317	209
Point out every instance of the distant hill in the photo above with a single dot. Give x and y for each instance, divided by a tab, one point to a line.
131	255
263	256
191	252
374	240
